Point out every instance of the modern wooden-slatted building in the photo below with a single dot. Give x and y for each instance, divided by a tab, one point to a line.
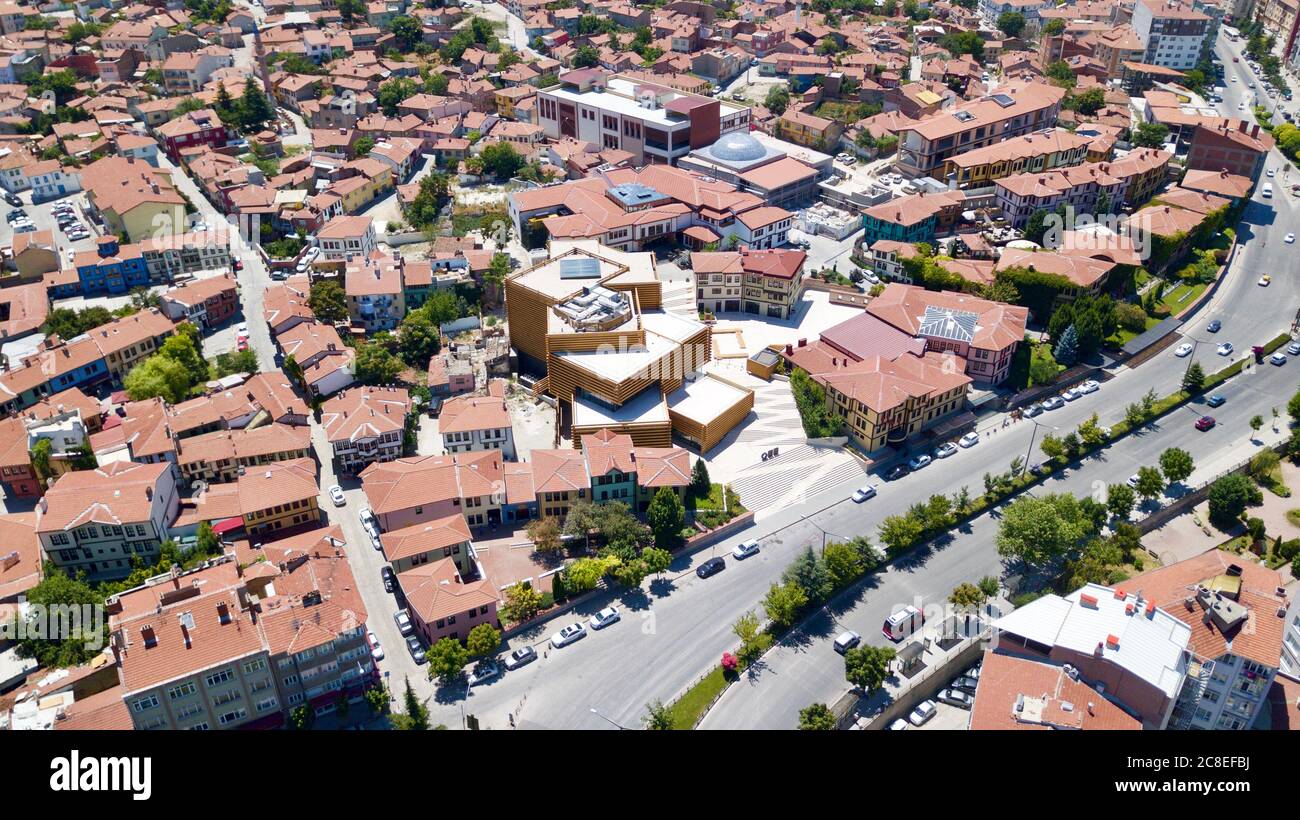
589	322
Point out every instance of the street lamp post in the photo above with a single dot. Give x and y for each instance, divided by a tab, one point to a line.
1032	433
607	720
824	534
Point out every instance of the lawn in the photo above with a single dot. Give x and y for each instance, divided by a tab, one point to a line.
1123	336
1180	296
1273	483
689	709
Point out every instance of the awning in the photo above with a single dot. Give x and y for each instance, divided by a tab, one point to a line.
701	233
954	425
229	525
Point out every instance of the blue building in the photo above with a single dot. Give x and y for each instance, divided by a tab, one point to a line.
111	268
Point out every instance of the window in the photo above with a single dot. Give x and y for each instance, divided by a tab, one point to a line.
183	690
144	704
231	717
254	666
218	678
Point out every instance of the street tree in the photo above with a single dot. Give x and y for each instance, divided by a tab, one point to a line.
817	718
966	595
1194	378
1120	499
1177	464
1039	530
522	603
809	573
1150	483
447	658
867	667
657	717
754	640
483	640
784	602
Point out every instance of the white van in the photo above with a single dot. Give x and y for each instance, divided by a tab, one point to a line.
1267	190
903	623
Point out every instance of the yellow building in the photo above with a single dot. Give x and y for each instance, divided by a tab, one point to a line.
1031	153
135	199
808	130
127	341
278	496
375	180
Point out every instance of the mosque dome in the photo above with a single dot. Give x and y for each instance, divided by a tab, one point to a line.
738	147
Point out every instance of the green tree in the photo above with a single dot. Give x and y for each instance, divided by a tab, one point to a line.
777	99
1039	530
754	640
351	10
407	31
1053	27
657	717
328	302
900	533
254	108
502	160
810	574
666	517
1256	422
522	603
1194	378
1011	23
585	57
1176	464
545	535
1150	483
394	92
966	595
158	376
363	146
416	716
206	541
867	667
990	586
1229	496
375	365
1150	135
56	589
700	483
656	560
817	717
184	348
418	339
447	658
1067	349
302	718
483	640
844	563
784	602
1120	499
377	698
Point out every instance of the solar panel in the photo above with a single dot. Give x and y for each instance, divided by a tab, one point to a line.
1003	100
579	268
945	323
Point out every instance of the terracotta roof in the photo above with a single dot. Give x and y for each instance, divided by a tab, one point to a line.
118	493
425	537
1258	639
20	554
904	307
519	482
881	384
1081	270
1025	694
559	471
249	444
435	591
365	412
910	210
466	413
276	484
411	482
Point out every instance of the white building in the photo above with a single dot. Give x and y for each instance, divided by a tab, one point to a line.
1173	33
365	425
476	423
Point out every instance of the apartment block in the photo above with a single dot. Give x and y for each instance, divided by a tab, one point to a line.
1173	33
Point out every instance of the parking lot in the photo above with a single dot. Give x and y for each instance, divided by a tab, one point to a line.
43	219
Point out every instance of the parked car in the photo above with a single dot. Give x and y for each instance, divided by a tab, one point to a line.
896	473
944	450
846	641
1278	359
336	495
1205	423
1225	349
918	461
376	651
1215	326
1090	386
12	199
1071	394
567	635
1293	348
1183	350
966	683
1264	280
1289	238
522	656
1215	400
956	697
416	649
1032	410
898	725
367	518
604	618
485	671
403	622
375	540
863	493
1133	480
711	567
1054	403
745	549
389	578
923	713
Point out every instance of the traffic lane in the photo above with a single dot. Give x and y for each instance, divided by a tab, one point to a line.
805	668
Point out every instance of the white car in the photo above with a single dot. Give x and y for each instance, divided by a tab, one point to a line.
898	725
1054	403
1090	386
485	671
567	635
1225	349
376	651
403	622
944	450
1277	359
242	331
863	493
918	462
604	618
1133	480
846	641
375	541
367	518
745	549
1071	394
336	495
1269	173
1241	106
969	440
1289	238
923	713
1183	350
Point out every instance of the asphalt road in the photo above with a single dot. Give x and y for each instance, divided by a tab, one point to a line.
674	631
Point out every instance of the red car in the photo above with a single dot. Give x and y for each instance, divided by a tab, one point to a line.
242	345
1205	423
239	265
1235	60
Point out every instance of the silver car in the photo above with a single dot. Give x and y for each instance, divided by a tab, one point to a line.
567	635
923	713
604	618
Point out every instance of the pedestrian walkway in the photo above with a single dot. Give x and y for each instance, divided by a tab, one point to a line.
794	476
679	298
